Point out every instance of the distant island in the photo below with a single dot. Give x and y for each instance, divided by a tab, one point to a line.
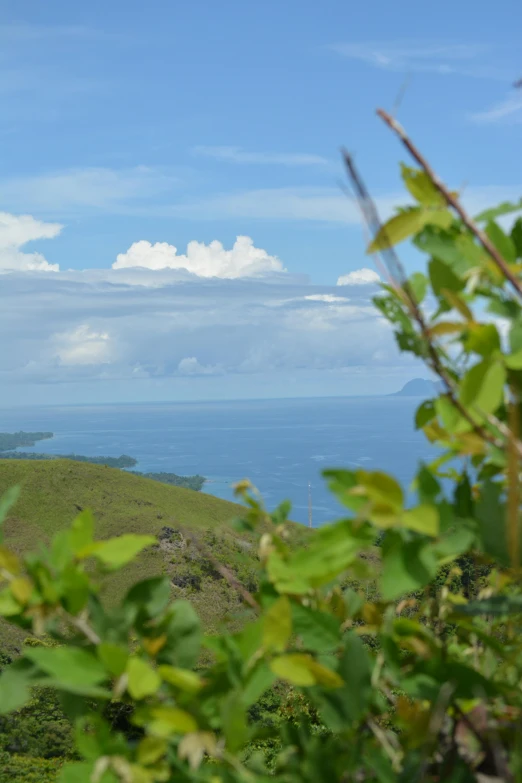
417	387
12	440
9	441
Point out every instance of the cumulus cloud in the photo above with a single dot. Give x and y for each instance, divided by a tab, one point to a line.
212	260
83	346
15	232
362	276
190	366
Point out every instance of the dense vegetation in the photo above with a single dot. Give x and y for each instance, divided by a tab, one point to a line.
190	482
123	461
384	647
12	440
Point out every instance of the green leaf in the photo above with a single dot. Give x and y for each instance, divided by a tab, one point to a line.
166	721
502	242
117	552
514	361
71	668
14	689
277	625
482	339
301	669
421	187
482	387
418	284
407	566
143	680
113	657
425	413
355	667
258	681
184	679
79	772
184	636
318	630
82	531
235	722
406	224
151	595
333	549
443	277
503	209
516	236
8	606
151	749
423	519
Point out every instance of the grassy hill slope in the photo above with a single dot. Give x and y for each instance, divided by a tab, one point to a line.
54	491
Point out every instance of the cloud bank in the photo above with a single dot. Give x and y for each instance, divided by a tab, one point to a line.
212	260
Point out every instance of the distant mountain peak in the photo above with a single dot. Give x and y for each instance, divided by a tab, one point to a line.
417	387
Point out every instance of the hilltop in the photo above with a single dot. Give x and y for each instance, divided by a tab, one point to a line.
54	491
417	387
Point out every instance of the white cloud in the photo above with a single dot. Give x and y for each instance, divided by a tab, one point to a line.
15	232
82	346
308	203
212	260
362	276
238	155
190	366
88	189
325	298
508	110
436	57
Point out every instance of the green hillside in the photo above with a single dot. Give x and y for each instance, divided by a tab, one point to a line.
54	491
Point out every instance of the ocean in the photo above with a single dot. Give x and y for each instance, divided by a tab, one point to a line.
280	445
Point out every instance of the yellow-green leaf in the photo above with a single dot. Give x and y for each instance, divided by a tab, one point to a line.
113	657
398	228
184	679
9	561
422	519
482	387
143	680
514	361
151	749
421	187
22	589
447	327
302	669
277	625
166	721
117	552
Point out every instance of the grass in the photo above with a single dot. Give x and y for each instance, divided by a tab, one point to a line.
54	491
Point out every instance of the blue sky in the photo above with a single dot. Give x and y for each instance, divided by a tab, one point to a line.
174	122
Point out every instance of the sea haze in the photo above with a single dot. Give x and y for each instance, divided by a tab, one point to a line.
280	445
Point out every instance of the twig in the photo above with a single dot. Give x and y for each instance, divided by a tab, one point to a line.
226	573
451	200
397	273
81	625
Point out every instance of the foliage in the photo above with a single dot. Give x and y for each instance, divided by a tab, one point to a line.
416	677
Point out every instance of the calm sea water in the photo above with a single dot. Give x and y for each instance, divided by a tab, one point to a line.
280	445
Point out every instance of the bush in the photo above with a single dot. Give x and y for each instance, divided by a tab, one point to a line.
416	676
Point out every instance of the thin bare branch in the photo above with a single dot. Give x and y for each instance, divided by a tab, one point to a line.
452	201
226	573
398	275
